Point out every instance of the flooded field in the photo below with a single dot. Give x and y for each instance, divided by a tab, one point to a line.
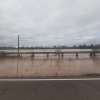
40	65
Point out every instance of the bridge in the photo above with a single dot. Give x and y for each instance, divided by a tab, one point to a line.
92	53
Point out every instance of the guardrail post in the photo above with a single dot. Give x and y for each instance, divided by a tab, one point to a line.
33	55
59	55
18	54
47	55
76	54
3	54
90	54
62	55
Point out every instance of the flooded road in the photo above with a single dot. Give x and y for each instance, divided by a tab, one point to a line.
40	65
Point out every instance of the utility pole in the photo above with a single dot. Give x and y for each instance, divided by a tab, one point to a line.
84	45
18	45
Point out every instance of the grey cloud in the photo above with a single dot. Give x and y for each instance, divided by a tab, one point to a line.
46	22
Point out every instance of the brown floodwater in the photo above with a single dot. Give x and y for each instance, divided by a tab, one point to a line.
40	65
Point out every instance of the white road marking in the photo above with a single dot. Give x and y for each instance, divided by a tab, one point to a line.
50	79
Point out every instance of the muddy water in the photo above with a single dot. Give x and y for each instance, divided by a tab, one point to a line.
69	65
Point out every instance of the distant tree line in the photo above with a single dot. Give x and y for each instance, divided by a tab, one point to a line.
84	46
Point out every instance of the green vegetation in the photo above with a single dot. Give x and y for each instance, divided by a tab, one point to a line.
92	74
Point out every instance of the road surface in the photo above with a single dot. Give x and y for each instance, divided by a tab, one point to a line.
50	90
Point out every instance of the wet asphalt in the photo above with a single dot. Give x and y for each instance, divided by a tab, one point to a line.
50	90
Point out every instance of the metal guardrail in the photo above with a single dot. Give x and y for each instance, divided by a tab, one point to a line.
92	53
49	52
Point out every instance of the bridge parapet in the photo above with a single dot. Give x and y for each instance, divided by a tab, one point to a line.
2	54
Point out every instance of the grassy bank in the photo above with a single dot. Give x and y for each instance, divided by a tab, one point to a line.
92	74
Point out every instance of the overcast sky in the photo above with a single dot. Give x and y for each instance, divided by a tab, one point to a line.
49	22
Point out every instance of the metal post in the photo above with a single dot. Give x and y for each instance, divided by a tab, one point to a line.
47	55
91	54
33	55
62	55
76	54
18	45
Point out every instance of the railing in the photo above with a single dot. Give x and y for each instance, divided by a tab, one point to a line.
4	54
